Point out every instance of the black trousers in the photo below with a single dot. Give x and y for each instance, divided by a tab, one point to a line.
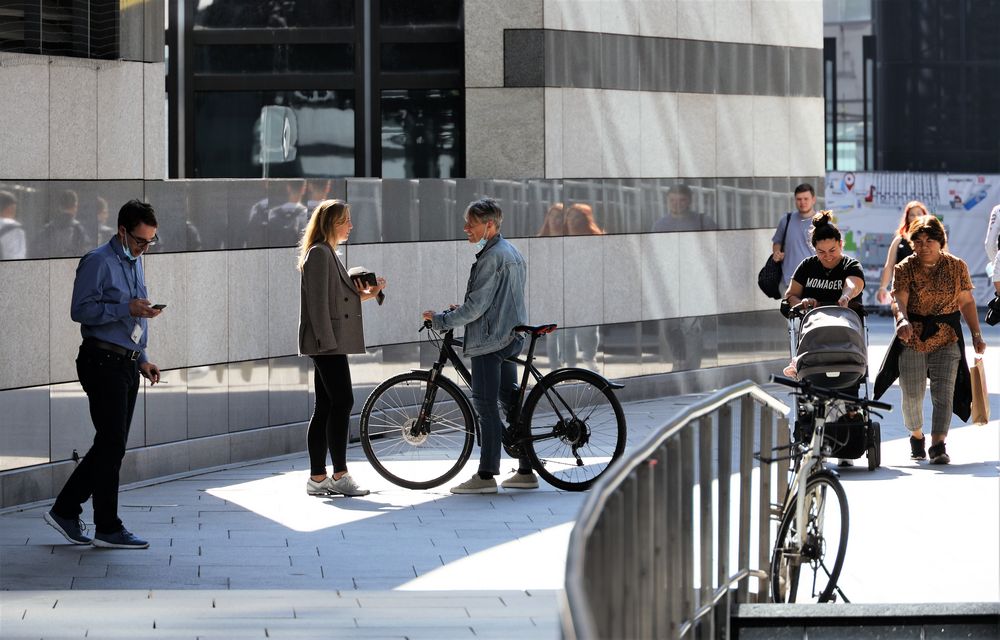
111	382
330	423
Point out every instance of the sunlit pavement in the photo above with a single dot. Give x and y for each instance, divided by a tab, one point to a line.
246	553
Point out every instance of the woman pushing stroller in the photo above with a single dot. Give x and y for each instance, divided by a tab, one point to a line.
827	278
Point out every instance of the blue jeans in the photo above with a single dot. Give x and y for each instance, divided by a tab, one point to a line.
494	380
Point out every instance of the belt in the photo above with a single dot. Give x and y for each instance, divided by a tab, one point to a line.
113	348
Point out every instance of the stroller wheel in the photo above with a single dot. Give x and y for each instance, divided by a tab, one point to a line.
874	452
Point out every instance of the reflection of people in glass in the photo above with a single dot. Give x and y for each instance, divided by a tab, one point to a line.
13	244
317	190
555	221
679	216
682	342
577	345
281	225
64	233
103	213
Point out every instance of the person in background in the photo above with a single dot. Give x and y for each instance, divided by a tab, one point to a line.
993	246
899	247
111	304
679	216
797	246
931	290
13	243
494	304
330	328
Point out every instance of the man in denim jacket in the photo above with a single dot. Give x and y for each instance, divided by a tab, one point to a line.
493	306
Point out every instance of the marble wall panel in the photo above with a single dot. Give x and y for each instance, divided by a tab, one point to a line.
696	122
807	16
167	408
288	390
505	133
24	430
167	283
402	301
443	278
63	333
208	400
553	133
806	155
485	22
583	280
24	316
583	135
72	124
24	136
769	22
658	142
376	318
282	302
696	19
737	272
248	394
660	276
622	134
734	141
120	120
577	15
545	280
771	136
207	306
620	16
154	122
622	277
657	18
698	258
365	197
731	20
248	294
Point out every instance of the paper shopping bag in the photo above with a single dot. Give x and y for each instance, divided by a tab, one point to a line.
980	398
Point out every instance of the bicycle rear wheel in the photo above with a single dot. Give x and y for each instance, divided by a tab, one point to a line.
805	568
400	454
577	428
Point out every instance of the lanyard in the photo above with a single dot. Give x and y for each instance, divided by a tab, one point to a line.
135	276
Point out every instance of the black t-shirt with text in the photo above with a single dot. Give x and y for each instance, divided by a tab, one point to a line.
827	285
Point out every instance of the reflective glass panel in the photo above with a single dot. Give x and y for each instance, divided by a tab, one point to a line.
274	58
240	14
410	13
424	57
277	134
421	136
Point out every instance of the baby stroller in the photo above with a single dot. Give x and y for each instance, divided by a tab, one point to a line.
829	347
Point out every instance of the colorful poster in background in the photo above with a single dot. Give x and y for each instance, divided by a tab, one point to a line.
868	207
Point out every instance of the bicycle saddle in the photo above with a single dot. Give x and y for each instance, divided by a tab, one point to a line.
538	330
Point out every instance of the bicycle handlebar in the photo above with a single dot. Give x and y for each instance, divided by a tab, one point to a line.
824	392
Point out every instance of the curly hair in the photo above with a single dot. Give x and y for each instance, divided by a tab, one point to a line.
823	227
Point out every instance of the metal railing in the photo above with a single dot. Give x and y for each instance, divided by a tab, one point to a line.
654	553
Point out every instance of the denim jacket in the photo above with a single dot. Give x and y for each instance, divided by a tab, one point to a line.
494	299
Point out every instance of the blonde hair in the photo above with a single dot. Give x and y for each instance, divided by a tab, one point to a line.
320	228
580	221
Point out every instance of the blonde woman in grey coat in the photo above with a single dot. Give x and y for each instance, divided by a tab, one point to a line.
329	329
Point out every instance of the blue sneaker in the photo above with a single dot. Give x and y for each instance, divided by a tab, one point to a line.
71	528
123	539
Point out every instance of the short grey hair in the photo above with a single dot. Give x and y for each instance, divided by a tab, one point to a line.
484	210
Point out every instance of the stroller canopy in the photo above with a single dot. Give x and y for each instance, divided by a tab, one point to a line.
831	351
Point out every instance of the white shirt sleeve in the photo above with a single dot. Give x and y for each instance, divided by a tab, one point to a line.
991	242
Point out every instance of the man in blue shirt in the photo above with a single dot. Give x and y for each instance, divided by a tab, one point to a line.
110	303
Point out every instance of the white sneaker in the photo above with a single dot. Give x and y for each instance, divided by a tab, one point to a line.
346	486
521	481
475	484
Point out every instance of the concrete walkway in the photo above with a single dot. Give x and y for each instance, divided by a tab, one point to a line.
244	553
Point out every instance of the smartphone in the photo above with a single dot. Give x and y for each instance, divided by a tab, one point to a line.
159	306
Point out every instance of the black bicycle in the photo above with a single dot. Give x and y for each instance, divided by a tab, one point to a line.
417	428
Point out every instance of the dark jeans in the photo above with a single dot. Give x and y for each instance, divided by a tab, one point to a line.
331	419
493	380
111	382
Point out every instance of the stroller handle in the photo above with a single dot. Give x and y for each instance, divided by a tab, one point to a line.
824	392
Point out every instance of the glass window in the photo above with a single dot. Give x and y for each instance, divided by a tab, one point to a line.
421	133
271	134
274	58
275	14
423	57
76	28
410	13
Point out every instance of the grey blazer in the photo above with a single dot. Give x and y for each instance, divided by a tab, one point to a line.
329	306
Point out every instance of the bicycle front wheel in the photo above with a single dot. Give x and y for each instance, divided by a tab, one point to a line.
409	456
805	566
577	428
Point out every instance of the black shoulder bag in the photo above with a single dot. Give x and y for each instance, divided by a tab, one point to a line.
769	277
